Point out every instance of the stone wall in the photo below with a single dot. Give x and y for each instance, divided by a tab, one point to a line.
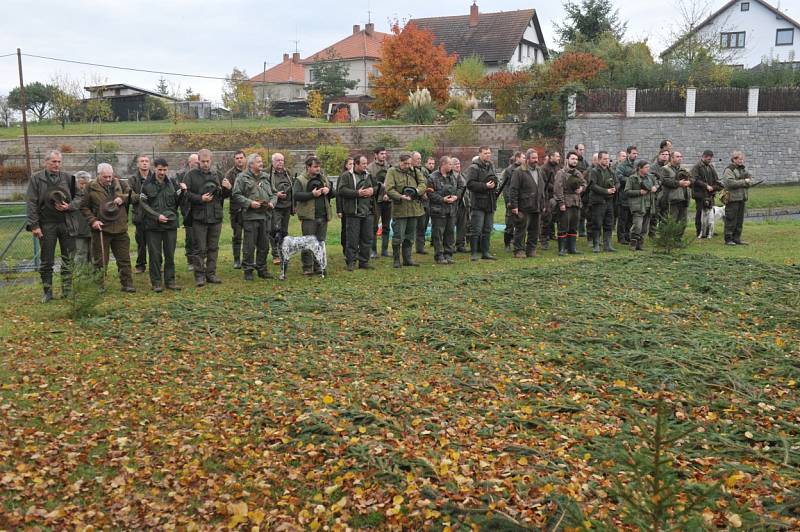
771	143
503	135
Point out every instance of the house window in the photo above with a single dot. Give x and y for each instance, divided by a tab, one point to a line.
734	39
784	37
745	6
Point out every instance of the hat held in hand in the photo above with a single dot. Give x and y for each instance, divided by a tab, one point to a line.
109	211
56	197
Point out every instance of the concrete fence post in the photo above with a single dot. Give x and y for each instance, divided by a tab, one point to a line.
572	105
630	102
752	102
691	100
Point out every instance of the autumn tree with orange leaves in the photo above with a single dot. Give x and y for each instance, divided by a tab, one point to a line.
409	61
572	67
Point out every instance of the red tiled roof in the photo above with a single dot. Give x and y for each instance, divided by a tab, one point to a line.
288	71
356	46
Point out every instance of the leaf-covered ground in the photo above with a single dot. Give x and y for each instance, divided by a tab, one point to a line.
425	398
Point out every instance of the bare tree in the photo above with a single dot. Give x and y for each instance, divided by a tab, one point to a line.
66	98
6	112
690	42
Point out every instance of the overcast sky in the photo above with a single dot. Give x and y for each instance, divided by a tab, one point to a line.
210	38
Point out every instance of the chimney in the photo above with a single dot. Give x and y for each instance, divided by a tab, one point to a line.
285	57
369	28
296	57
356	28
473	15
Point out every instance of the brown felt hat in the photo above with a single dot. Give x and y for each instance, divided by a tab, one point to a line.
57	196
109	211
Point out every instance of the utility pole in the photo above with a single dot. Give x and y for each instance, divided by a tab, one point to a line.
24	114
264	89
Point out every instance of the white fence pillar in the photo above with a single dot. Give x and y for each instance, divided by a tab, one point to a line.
630	103
691	100
752	102
572	105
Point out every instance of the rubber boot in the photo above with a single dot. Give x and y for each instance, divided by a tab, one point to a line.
396	255
562	244
485	249
385	244
407	255
473	247
640	244
634	244
572	245
607	243
595	244
237	262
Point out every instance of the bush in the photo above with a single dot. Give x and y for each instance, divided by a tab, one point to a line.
266	155
670	235
425	144
460	132
386	140
87	291
314	104
332	157
105	151
13	174
66	148
418	114
155	108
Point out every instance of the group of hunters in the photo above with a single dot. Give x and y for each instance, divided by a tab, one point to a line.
88	218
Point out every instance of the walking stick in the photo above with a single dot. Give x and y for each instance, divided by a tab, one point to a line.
103	256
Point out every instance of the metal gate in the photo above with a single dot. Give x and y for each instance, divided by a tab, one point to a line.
19	250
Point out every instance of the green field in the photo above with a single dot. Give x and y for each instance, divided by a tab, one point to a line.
167	126
501	395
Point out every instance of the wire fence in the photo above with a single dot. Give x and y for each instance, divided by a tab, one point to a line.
19	250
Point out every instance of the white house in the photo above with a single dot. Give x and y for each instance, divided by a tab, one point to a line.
358	51
750	32
507	40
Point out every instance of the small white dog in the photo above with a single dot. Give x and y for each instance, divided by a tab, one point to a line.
709	219
292	245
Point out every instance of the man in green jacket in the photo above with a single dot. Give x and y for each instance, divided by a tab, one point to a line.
312	195
736	180
135	182
602	188
52	204
405	186
190	249
705	185
377	169
83	235
424	220
503	185
548	172
355	194
567	190
160	201
444	192
282	185
103	207
207	192
640	190
656	170
624	169
526	203
676	182
255	197
237	226
482	183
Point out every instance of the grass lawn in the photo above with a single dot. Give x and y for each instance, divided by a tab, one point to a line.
774	196
167	126
497	394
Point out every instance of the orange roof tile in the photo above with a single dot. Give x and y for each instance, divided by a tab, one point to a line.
360	44
288	71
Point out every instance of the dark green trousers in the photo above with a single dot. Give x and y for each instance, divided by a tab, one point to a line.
161	249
